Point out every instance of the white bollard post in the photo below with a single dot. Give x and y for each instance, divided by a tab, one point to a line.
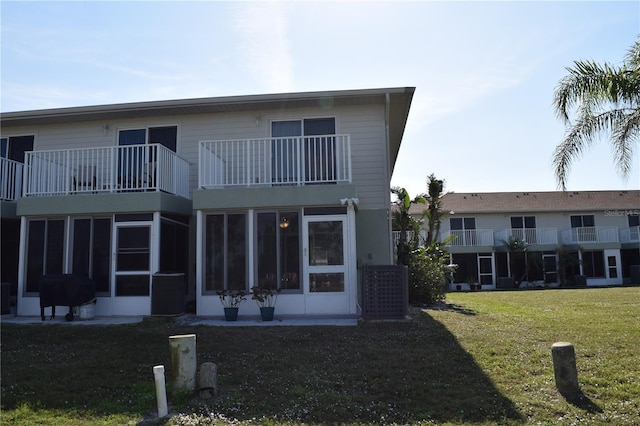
161	391
183	361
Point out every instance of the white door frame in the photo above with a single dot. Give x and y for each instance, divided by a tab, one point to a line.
134	305
330	303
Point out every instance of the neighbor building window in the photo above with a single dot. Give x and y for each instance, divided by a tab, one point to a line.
593	264
523	228
584	227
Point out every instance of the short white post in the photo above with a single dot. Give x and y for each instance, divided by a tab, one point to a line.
183	361
161	391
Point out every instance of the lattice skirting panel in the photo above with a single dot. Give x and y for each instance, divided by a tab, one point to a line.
385	291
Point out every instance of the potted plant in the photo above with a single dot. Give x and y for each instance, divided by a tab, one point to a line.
473	283
266	298
231	300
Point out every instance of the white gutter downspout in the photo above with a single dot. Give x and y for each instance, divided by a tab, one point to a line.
387	112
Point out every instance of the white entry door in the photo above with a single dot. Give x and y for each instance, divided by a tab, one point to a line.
326	277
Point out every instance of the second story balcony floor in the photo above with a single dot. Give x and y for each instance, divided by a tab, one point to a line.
114	169
296	160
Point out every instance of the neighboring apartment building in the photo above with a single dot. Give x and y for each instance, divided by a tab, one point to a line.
288	190
594	235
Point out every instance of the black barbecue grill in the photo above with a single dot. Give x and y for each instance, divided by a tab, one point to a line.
65	290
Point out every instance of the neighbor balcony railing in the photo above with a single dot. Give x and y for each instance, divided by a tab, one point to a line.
422	237
470	237
148	167
10	179
590	234
529	235
630	235
275	161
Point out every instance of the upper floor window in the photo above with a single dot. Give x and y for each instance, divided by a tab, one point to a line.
137	164
583	227
462	223
303	150
523	222
166	136
582	221
14	147
634	220
523	228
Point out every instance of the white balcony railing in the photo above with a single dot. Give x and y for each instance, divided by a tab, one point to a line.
470	237
630	235
590	234
422	237
148	167
529	235
10	179
275	161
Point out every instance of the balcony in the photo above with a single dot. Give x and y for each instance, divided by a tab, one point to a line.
537	236
630	235
470	237
590	234
10	179
116	169
304	160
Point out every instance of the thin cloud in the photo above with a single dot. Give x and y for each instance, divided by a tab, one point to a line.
30	96
264	43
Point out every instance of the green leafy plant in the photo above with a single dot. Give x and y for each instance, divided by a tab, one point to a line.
231	298
265	296
427	282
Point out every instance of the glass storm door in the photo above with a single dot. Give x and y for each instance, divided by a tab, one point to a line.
132	289
325	271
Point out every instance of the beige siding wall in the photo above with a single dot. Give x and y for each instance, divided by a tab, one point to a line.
365	124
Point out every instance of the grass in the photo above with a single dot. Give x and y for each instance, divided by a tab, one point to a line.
483	358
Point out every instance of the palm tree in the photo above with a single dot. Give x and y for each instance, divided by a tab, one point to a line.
403	221
606	99
433	213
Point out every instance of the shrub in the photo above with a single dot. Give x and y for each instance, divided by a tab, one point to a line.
427	283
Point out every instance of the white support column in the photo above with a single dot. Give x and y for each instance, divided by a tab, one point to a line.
22	255
250	243
199	260
352	265
67	267
155	243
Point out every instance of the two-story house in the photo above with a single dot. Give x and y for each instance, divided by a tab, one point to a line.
507	239
287	190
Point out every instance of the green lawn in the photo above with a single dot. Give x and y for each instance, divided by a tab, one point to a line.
484	358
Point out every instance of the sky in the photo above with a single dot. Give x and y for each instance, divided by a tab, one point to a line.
481	118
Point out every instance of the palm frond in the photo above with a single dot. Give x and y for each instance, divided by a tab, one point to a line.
625	139
583	134
606	99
